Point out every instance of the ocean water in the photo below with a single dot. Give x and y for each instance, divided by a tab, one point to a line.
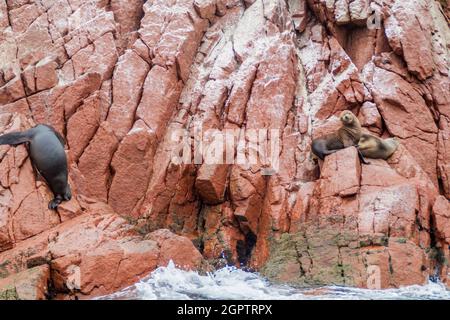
232	283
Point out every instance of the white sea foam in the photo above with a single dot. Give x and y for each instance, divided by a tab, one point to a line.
231	283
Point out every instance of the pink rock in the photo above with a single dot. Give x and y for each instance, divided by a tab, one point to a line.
35	43
441	211
224	5
87	23
444	154
240	94
405	164
30	284
273	86
4	21
12	91
82	126
409	264
181	37
20	106
395	103
71	97
128	15
39	107
94	163
418	58
211	106
128	80
370	117
341	12
29	80
205	8
100	57
6	242
178	249
70	209
359	11
248	212
45	75
340	174
211	182
87	250
159	98
389	210
364	43
142	50
222	234
132	168
55	106
299	14
380	174
301	206
169	195
58	15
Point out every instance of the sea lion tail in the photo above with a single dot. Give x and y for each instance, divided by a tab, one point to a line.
15	138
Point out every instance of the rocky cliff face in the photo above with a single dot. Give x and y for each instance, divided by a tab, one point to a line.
117	78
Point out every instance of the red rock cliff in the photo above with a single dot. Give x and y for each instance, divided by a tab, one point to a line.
117	78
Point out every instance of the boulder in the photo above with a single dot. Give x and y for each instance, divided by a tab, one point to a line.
31	284
211	182
97	253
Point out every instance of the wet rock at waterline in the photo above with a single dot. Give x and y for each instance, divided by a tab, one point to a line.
231	283
93	254
31	284
122	82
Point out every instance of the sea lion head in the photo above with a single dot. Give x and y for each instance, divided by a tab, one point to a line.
347	117
367	142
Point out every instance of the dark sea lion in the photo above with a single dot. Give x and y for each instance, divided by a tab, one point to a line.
46	149
376	148
348	135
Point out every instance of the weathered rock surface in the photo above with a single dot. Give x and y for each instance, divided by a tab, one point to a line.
370	220
441	214
97	253
121	79
31	284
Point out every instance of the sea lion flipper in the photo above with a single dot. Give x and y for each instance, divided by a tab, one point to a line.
15	138
53	204
361	157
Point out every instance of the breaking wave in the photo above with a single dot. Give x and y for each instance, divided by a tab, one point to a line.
233	284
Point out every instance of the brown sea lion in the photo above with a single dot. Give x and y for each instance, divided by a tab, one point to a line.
46	148
376	148
348	135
